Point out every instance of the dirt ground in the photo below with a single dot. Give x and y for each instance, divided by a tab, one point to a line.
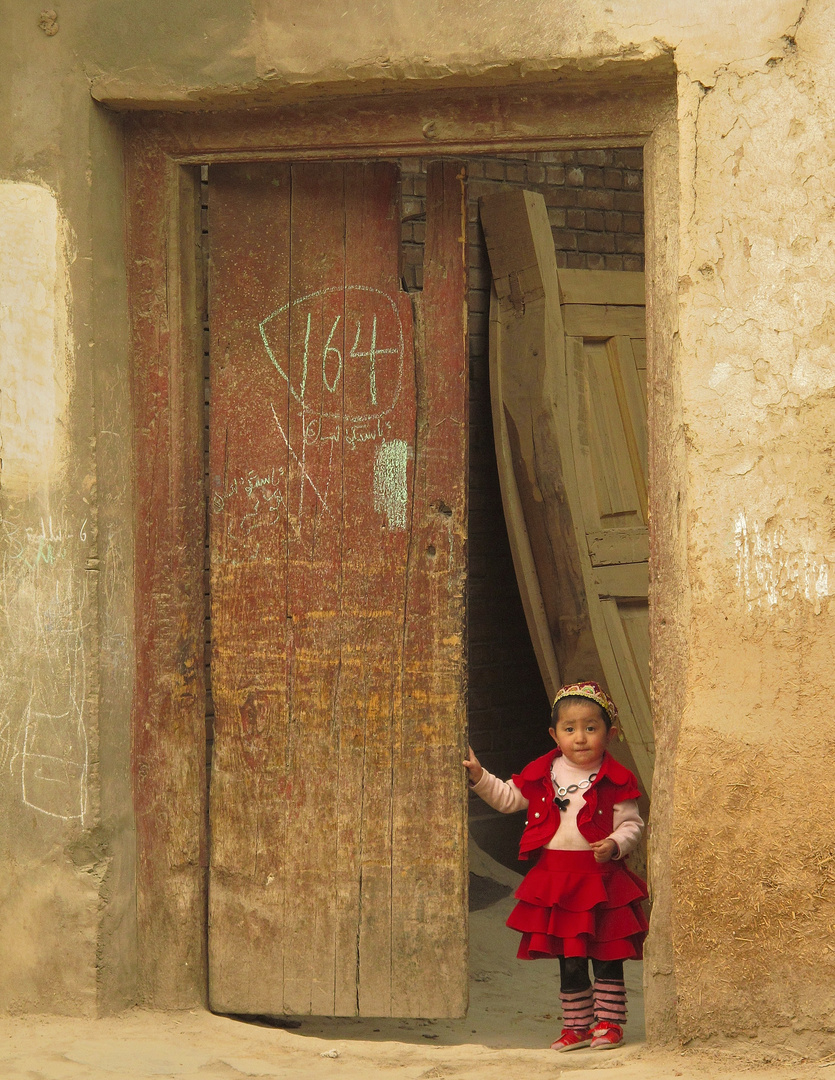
513	1017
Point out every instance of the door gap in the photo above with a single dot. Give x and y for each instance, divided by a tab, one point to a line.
207	596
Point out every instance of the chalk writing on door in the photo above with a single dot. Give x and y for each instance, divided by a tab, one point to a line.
263	495
390	481
340	350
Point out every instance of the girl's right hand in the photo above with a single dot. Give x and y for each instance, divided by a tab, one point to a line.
473	766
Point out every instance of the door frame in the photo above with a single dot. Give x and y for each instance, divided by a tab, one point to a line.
163	152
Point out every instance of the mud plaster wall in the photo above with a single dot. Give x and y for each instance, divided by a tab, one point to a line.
752	837
47	743
65	539
742	395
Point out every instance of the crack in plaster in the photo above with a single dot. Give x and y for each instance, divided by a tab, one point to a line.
704	88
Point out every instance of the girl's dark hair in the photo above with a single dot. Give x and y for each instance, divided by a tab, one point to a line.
578	698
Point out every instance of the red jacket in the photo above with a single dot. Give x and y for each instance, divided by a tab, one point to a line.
614	784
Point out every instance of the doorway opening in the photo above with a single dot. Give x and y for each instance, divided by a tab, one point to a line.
595	210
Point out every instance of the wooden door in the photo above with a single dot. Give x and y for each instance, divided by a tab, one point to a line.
568	382
605	354
337	510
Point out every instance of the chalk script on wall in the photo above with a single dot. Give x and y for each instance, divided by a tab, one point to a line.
43	672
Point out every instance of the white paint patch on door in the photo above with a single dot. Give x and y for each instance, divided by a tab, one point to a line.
390	481
33	337
773	568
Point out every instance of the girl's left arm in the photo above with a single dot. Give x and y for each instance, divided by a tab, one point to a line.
627	828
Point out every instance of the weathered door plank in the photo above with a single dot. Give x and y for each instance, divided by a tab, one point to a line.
314	571
602	321
379	385
249	808
631	654
629	580
618	545
429	865
621	287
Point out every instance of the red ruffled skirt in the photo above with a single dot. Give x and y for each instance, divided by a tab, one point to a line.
570	905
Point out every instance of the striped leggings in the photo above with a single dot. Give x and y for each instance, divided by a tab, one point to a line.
584	1005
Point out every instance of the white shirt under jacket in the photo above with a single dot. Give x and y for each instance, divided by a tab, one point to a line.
505	796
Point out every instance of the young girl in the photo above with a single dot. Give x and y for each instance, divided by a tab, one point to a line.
579	900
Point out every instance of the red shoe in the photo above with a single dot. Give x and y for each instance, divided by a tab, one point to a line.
606	1035
571	1039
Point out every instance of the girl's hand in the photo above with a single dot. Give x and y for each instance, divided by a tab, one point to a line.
604	850
473	766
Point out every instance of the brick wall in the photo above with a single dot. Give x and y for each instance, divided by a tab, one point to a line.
595	201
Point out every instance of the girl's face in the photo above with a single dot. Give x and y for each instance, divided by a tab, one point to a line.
581	732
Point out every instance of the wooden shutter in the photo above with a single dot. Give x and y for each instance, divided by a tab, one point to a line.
605	350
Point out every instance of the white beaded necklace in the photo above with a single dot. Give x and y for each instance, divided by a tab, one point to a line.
563	794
